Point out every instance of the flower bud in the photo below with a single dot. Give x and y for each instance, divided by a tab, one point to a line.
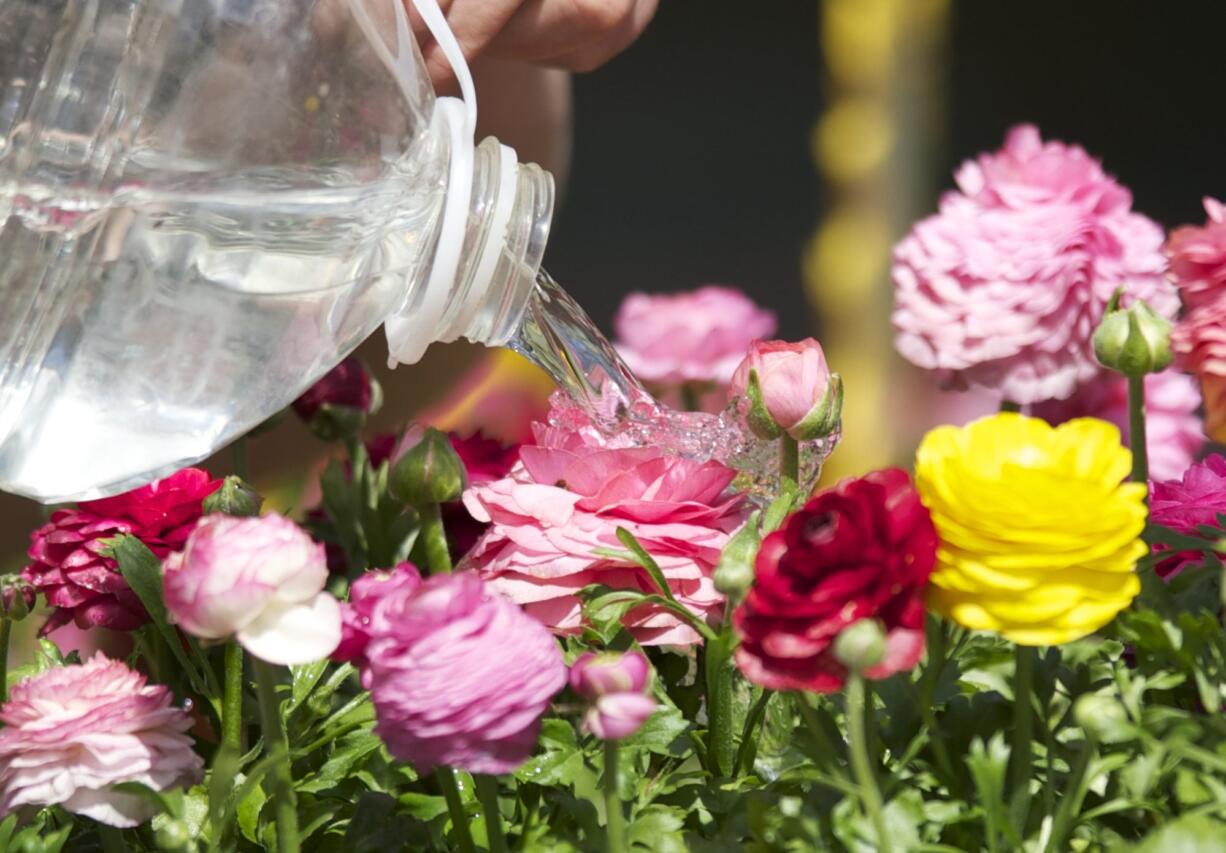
861	645
336	406
787	388
173	836
734	572
431	472
595	675
618	715
16	598
1104	718
235	497
1133	341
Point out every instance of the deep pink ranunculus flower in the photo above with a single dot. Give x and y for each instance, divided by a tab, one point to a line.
1184	504
347	385
697	336
73	732
1004	286
67	564
459	675
567	499
1198	257
1174	434
1199	343
863	549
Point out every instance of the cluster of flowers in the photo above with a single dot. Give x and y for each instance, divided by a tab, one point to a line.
1002	289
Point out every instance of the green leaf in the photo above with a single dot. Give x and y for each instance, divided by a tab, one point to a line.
1188	834
424	807
249	812
303	680
348	753
375	827
661	734
154	798
658	828
647	562
780	507
988	765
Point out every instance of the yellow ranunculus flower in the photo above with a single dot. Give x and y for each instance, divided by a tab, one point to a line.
1039	533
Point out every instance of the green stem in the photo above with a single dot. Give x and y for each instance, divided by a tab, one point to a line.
861	766
815	727
690	398
445	777
232	701
1020	757
719	674
6	631
938	646
789	459
487	793
615	821
434	539
1136	429
1070	804
112	839
276	747
1010	406
756	713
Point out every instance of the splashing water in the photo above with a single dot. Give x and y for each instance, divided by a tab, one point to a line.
558	337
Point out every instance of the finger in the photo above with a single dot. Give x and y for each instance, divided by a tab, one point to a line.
474	23
595	54
544	30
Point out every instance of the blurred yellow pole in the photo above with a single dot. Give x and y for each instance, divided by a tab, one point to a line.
884	77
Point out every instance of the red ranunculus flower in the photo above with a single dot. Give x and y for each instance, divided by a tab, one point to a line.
347	384
67	564
861	550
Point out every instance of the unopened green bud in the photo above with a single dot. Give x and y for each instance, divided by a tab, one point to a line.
1104	718
734	572
16	598
861	645
235	497
173	836
430	473
1134	341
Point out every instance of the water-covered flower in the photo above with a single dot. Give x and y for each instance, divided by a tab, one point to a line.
258	579
554	522
73	732
1173	430
1039	533
1188	503
1003	288
1198	257
1199	341
67	561
697	336
615	684
862	550
459	675
787	387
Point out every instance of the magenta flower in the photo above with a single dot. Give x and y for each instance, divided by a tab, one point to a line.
1174	435
458	674
1199	343
67	562
1198	257
258	579
364	594
787	386
615	685
1003	288
698	336
347	386
1184	505
565	502
72	733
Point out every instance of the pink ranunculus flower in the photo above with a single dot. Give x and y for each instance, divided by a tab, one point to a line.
459	675
1198	257
796	389
67	561
615	685
72	733
258	579
1174	435
1199	343
1002	288
565	501
1187	503
698	336
364	594
614	716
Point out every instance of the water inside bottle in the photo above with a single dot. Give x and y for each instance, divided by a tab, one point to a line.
559	337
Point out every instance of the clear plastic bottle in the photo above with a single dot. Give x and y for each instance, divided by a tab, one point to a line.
206	204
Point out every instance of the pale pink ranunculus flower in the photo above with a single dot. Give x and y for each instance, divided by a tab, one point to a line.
459	675
793	379
696	336
1198	257
1173	430
73	732
614	716
616	688
1199	343
1003	287
566	500
258	579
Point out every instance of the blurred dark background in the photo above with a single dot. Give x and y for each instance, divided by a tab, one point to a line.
694	159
